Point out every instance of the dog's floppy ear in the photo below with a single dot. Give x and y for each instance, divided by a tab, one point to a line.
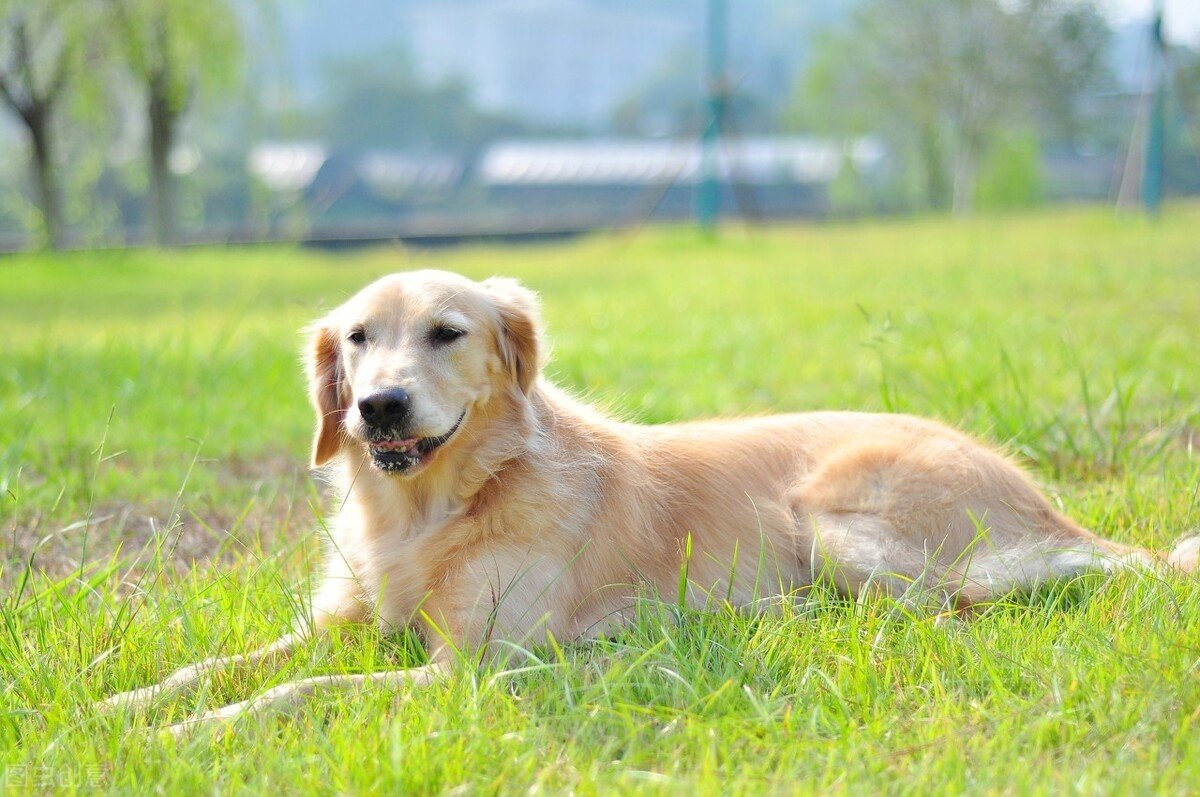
327	389
520	329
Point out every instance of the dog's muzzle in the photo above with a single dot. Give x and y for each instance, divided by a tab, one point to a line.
396	454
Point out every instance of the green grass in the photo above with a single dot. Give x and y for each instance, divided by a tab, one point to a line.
155	510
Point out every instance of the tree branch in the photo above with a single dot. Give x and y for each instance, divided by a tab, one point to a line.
139	64
25	60
61	72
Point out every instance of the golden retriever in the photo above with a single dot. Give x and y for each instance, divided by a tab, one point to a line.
488	509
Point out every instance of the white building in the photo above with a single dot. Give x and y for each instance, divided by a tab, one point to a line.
608	162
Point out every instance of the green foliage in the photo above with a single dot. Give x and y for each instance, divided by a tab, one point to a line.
179	45
90	65
43	45
153	419
942	81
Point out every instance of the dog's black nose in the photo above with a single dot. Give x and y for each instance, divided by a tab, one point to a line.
385	407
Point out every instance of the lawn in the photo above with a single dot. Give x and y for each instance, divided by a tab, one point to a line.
155	510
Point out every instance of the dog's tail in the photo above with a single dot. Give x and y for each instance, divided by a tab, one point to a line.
1186	553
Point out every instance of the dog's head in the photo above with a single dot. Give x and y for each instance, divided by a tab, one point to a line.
400	368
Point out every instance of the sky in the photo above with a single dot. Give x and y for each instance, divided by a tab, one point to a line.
1182	16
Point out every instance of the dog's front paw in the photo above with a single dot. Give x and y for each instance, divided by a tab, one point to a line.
180	681
1186	553
218	718
126	701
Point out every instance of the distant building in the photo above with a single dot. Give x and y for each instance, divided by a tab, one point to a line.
598	181
285	165
753	161
551	61
615	180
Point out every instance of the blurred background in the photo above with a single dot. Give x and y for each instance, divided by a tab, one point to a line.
130	122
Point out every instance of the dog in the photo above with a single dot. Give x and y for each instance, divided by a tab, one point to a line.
490	510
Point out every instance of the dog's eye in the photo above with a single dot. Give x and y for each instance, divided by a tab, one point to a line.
445	334
358	336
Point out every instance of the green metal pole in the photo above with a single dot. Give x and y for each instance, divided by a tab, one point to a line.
707	203
1152	175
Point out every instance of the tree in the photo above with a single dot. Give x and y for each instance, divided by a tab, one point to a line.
940	78
172	49
40	47
1066	62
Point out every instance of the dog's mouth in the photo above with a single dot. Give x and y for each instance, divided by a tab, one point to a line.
397	454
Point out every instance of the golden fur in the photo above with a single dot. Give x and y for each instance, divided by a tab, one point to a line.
541	515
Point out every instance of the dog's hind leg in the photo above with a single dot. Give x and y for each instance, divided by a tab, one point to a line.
857	551
854	550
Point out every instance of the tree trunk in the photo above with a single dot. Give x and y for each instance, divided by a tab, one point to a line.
937	189
162	188
38	122
966	170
